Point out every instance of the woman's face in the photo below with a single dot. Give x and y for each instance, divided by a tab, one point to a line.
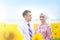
42	18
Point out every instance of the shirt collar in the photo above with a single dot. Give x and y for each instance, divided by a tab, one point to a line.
25	22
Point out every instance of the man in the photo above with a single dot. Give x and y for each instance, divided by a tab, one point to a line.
25	26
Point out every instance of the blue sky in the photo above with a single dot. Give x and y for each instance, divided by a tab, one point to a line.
11	10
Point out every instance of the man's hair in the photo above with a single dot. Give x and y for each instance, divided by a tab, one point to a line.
26	12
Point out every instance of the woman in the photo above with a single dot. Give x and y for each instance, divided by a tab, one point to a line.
44	28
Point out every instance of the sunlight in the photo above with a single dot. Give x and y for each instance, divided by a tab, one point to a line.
2	13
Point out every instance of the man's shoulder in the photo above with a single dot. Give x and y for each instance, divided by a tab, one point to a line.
21	26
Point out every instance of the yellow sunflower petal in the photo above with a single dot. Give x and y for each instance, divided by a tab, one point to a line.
37	36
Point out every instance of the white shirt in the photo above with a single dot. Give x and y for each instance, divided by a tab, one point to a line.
24	29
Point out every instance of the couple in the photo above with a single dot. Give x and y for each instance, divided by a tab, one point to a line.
27	30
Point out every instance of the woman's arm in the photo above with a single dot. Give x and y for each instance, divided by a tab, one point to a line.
49	33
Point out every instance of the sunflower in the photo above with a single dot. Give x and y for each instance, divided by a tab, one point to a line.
10	32
37	36
55	29
35	25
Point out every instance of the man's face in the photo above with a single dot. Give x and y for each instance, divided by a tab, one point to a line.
28	17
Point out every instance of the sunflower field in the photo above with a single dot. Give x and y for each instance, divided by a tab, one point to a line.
10	32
